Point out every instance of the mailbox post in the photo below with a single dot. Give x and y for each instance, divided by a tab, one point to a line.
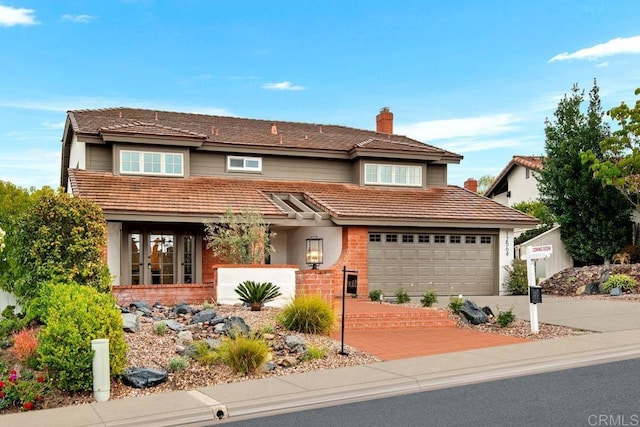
535	292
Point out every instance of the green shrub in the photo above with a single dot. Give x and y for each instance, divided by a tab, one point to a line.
205	354
308	314
313	353
160	328
455	304
402	296
208	305
505	318
621	281
375	294
516	282
59	239
75	316
429	298
245	354
177	364
257	294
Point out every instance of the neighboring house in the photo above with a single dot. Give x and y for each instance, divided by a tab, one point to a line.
516	183
380	202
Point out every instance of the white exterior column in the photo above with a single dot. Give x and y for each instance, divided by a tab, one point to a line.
505	257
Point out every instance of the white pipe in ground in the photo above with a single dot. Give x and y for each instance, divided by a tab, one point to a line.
101	373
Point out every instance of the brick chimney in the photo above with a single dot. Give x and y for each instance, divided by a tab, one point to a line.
384	121
471	185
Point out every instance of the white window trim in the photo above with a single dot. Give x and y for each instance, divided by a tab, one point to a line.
244	167
141	171
393	175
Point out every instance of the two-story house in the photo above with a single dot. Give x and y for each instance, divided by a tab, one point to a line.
379	201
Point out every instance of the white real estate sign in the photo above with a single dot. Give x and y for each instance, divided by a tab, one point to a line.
534	253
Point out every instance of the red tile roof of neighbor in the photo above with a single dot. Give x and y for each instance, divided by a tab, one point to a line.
207	197
219	130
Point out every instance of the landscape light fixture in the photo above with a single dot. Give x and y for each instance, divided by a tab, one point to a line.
314	251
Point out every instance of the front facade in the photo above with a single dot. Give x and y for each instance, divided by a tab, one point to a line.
379	201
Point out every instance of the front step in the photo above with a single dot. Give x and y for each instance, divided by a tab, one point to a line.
420	319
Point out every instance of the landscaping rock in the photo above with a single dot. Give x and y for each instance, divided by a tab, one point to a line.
581	290
615	292
232	326
144	377
204	316
592	288
269	366
182	308
487	310
173	324
295	344
473	313
288	361
184	338
142	307
130	322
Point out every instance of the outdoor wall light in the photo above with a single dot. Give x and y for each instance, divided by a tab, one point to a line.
314	251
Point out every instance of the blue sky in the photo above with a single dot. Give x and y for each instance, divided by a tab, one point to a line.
475	77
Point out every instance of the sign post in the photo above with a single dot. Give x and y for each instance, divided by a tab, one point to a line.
535	292
350	285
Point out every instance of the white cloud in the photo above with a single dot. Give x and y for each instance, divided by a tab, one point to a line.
282	86
616	46
459	128
50	125
10	16
79	19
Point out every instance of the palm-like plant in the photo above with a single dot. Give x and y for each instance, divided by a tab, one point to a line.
257	294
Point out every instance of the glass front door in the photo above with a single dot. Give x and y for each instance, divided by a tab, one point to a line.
161	257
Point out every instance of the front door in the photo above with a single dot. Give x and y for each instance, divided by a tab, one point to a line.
160	257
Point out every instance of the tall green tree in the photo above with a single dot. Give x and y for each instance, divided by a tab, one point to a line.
595	220
619	164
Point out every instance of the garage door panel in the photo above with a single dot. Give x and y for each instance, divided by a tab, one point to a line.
408	270
455	255
439	255
485	255
391	254
424	254
408	254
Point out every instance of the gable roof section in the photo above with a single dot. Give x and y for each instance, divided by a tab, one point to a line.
224	131
531	162
195	199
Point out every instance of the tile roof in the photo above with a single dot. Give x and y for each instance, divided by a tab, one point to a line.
207	197
220	130
530	162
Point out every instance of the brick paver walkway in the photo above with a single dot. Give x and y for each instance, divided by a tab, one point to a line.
400	343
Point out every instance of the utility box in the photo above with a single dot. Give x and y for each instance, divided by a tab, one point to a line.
535	294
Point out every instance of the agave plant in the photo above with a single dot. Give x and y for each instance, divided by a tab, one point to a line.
257	294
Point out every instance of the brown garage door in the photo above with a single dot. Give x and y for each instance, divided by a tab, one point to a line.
450	263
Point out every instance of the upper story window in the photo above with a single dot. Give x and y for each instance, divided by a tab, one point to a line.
246	164
393	175
151	163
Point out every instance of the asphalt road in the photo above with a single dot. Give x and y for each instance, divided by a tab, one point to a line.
598	395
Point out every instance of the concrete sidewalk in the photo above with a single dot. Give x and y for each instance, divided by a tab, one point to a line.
618	324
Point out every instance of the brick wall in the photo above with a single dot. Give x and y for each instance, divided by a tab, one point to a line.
165	294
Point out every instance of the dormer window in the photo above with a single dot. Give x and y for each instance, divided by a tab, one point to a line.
244	164
402	175
151	163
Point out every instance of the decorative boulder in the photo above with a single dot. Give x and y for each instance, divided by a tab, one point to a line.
144	377
204	316
130	322
141	306
173	325
182	308
184	338
233	326
487	310
592	288
295	344
473	313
